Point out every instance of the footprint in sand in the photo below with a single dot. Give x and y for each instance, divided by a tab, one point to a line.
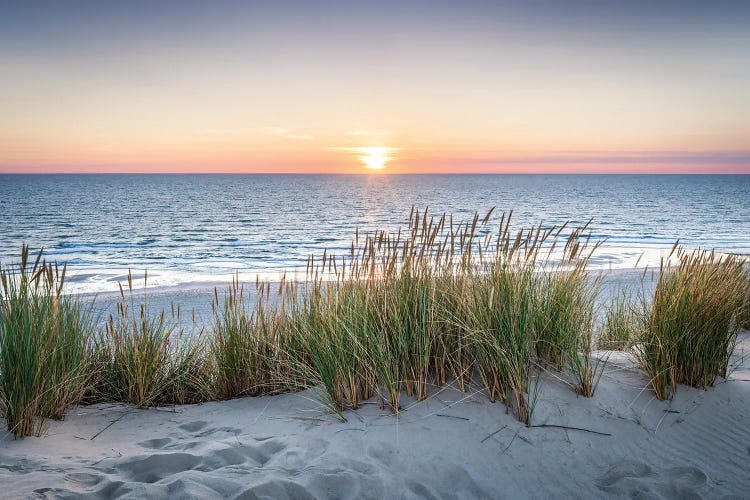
156	444
213	455
152	468
83	478
193	426
383	454
639	480
219	430
278	489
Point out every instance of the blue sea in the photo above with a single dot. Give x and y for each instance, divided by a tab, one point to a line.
192	228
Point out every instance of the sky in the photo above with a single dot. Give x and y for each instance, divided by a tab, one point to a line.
354	87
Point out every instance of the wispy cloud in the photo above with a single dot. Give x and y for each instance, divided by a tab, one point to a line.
360	133
288	133
739	157
377	150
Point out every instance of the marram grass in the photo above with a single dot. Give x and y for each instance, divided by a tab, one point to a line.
144	359
44	337
401	313
245	344
625	320
695	317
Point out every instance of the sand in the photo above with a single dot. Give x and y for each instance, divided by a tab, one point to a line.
454	445
195	298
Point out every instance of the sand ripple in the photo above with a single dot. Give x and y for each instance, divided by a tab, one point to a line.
696	446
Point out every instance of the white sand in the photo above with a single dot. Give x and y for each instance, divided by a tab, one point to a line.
195	298
453	445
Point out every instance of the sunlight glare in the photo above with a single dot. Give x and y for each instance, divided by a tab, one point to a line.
375	158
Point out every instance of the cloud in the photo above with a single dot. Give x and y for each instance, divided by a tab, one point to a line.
363	133
736	158
375	150
288	133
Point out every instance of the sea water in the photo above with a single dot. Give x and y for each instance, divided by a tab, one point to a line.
189	228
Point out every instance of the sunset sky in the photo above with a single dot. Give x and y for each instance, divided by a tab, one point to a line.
412	87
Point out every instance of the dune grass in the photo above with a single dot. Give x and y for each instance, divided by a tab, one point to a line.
244	344
328	335
372	329
694	321
502	321
144	359
453	352
564	341
745	315
565	323
404	312
401	313
625	320
44	338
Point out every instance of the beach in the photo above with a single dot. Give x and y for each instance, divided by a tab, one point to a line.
622	443
595	425
195	297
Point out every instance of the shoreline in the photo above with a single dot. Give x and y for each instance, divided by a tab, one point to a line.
198	295
609	258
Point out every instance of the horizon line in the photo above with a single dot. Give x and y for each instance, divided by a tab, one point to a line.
369	174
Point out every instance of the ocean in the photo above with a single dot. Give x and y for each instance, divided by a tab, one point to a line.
191	228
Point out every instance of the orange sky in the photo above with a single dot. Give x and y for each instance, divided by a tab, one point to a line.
490	88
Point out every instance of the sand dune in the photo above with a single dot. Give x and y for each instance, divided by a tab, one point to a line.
454	445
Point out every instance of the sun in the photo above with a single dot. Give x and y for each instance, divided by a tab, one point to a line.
375	158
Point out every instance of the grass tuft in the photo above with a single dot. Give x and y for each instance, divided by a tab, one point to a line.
145	360
43	345
625	320
694	322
